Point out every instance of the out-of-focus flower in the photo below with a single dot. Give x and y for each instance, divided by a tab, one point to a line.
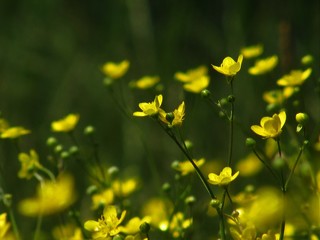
65	124
274	97
186	167
270	127
179	224
102	199
145	82
29	164
149	109
133	225
247	233
67	232
229	67
124	188
249	166
52	197
115	70
3	125
224	178
252	51
295	78
263	66
4	225
107	226
177	118
195	80
14	132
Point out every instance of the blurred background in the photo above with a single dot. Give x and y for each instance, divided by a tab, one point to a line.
51	52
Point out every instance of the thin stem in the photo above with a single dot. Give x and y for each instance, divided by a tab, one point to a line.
294	167
14	223
231	126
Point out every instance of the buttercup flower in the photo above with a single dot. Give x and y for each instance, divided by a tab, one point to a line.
270	127
274	97
229	67
107	226
295	78
124	188
3	125
66	124
4	225
67	232
224	178
149	109
186	167
145	82
252	51
52	197
263	66
249	165
178	116
14	132
102	199
133	225
29	164
115	70
195	80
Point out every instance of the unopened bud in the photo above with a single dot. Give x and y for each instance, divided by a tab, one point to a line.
250	142
145	227
302	118
89	130
205	93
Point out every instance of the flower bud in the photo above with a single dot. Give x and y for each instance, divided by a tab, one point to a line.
118	237
113	171
215	203
166	187
89	130
190	200
250	142
107	82
58	148
145	227
302	118
205	93
231	98
170	117
51	141
278	163
188	144
73	150
92	189
64	154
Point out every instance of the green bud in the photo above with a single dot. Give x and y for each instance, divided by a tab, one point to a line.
113	171
108	82
231	98
58	148
249	188
51	141
302	118
166	187
205	93
222	114
89	130
118	237
170	117
175	164
235	214
250	142
278	163
64	154
7	200
190	200
272	107
223	101
92	189
307	59
145	227
73	150
215	203
188	144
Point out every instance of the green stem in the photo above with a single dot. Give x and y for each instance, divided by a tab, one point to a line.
231	117
14	223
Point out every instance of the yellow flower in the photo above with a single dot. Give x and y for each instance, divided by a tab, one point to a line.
107	226
224	178
195	80
186	167
178	116
145	82
124	188
65	124
229	67
67	232
295	78
133	225
191	75
4	225
3	125
270	127
29	164
252	51
14	132
179	224
249	166
52	197
115	70
149	109
274	97
263	66
102	199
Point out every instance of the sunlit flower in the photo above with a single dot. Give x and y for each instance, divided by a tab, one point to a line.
14	132
4	225
107	226
249	166
270	127
3	125
29	164
145	82
115	70
102	199
65	124
224	178
263	66
178	116
252	51
195	80
295	78
179	224
124	188
149	109
52	197
186	167
229	67
67	232
133	225
247	233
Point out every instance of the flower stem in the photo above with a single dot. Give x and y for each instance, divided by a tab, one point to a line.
14	224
